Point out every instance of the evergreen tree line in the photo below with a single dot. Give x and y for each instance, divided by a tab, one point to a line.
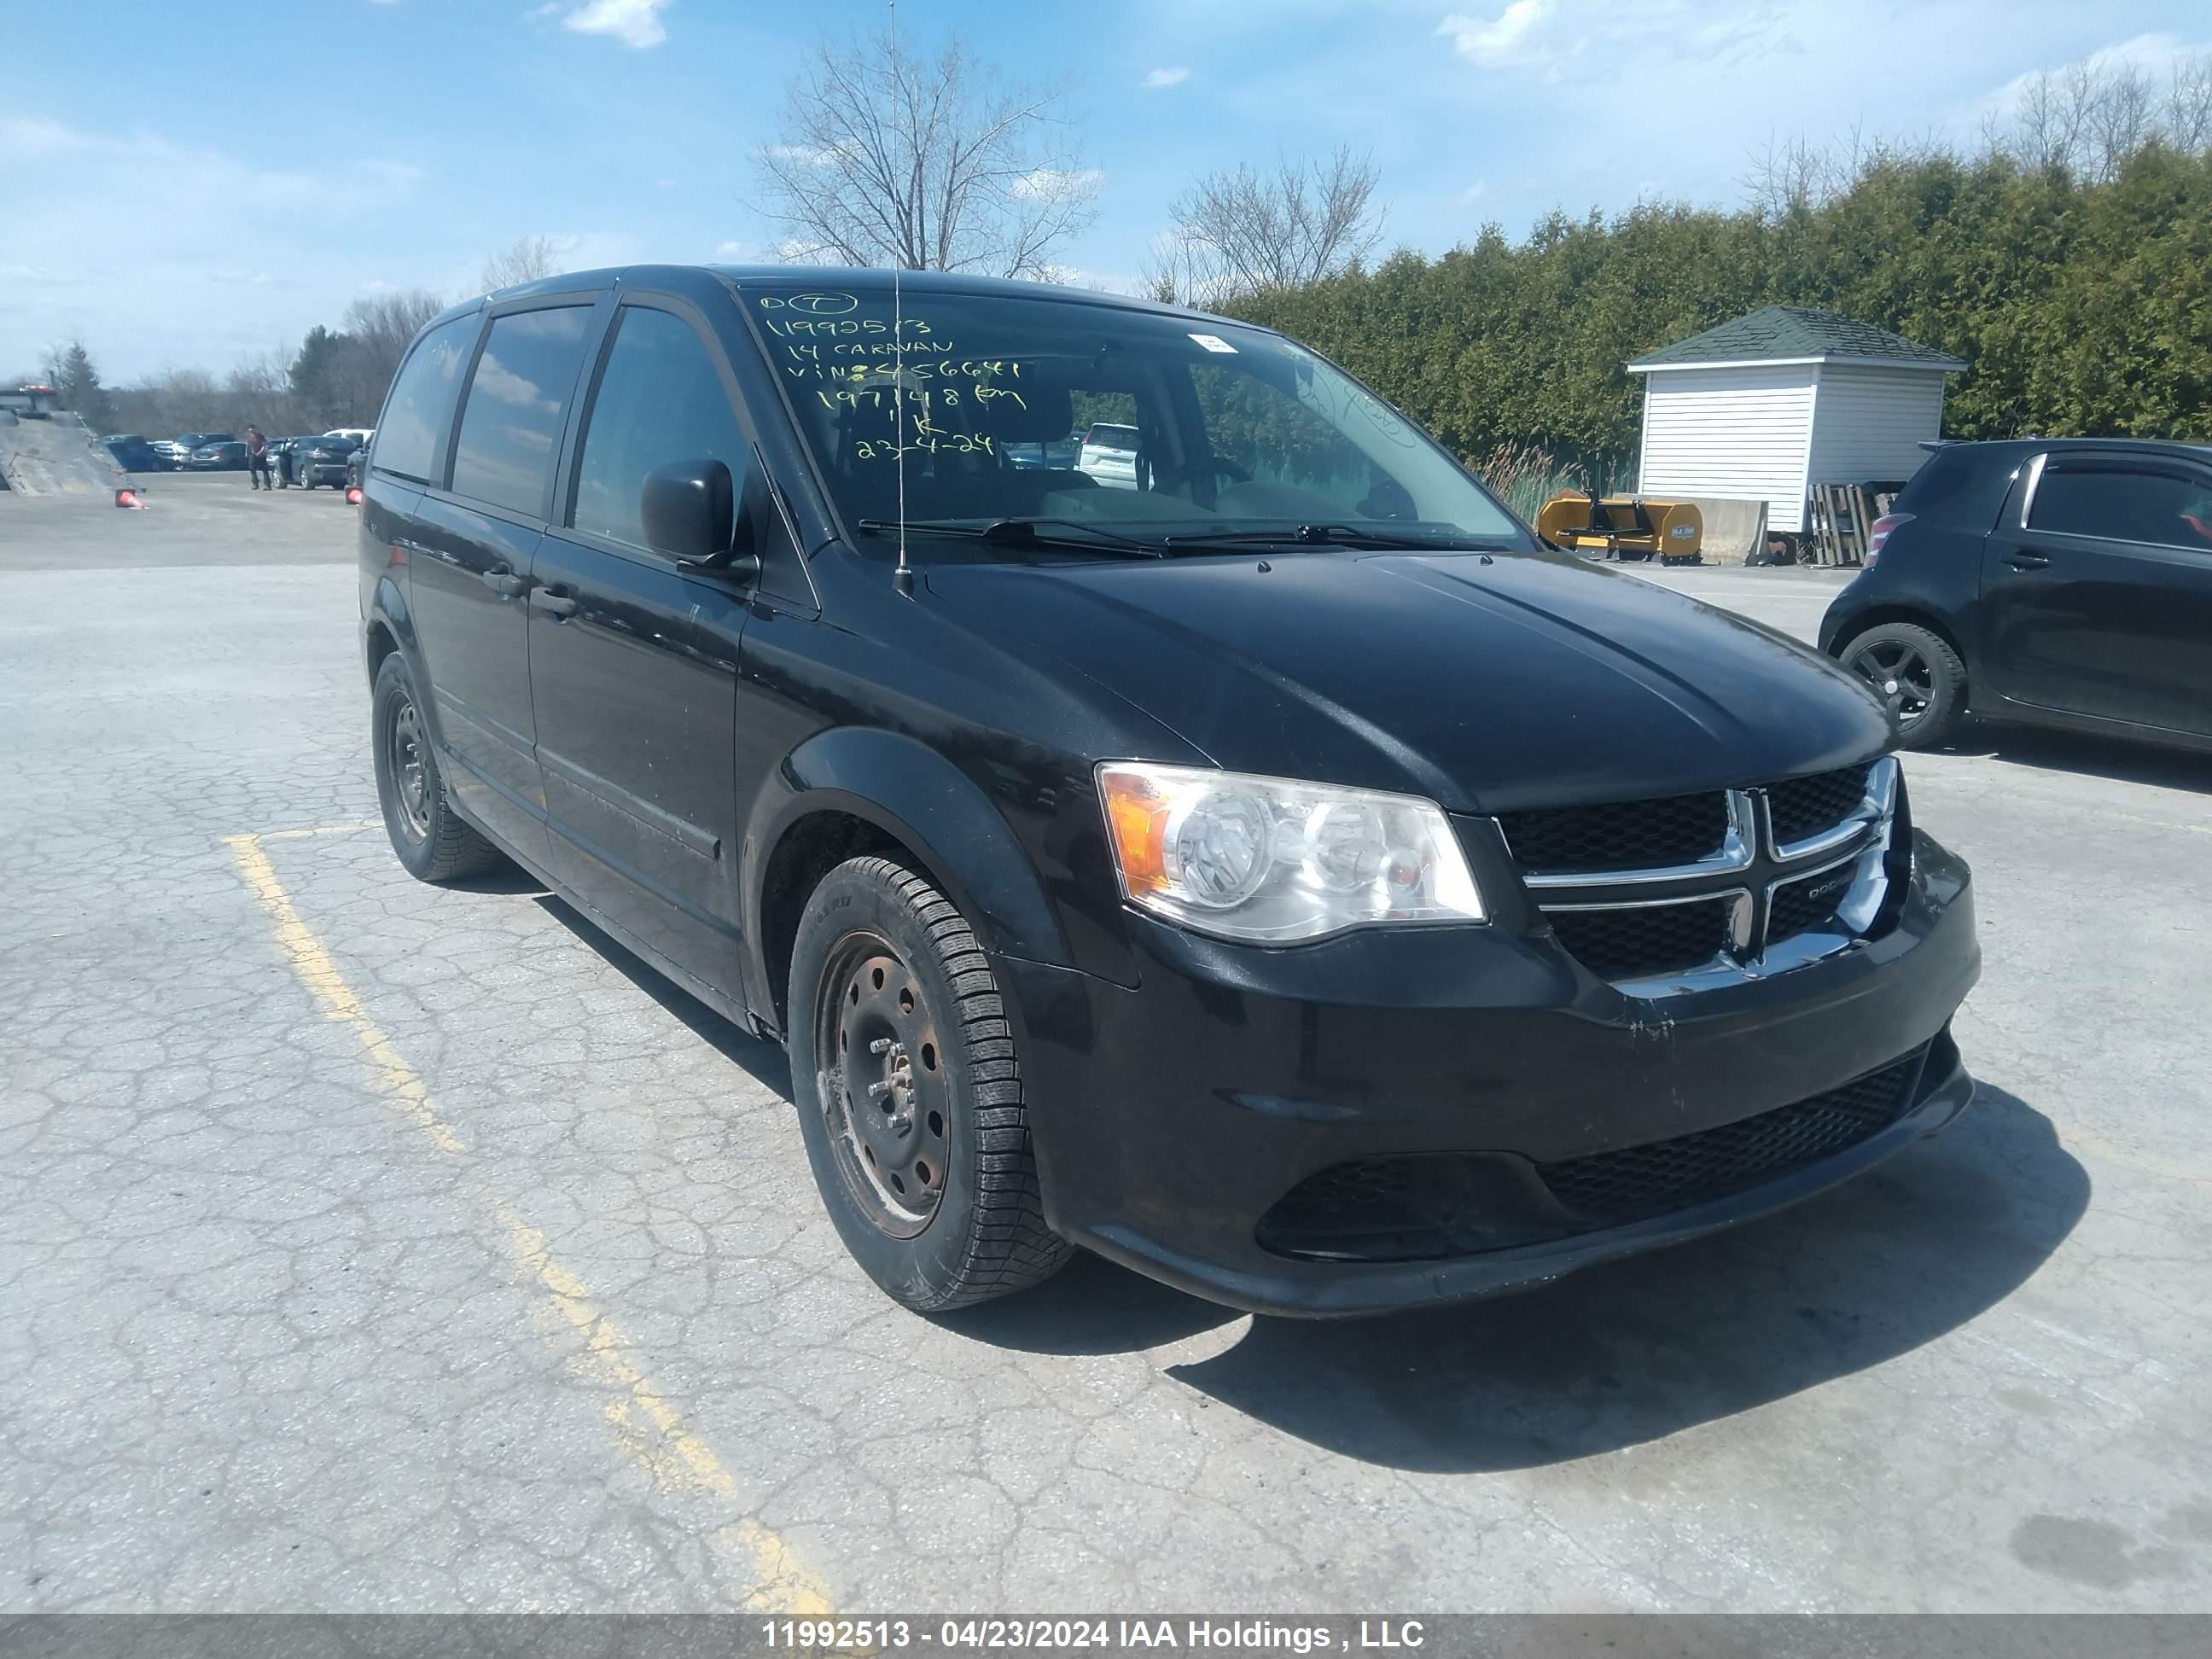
2079	296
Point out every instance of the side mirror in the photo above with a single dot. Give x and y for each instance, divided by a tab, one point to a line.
689	513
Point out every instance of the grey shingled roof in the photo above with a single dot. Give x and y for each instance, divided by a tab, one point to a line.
1781	333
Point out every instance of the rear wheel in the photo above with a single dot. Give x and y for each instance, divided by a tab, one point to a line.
431	839
1918	677
909	1093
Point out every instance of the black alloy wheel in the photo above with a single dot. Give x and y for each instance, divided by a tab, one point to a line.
1920	679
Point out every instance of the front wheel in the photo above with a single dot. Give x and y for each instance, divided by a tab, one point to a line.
909	1093
1920	679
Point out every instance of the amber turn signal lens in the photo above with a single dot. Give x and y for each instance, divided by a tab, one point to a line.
1139	816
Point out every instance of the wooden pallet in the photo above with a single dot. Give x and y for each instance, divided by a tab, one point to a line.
1841	518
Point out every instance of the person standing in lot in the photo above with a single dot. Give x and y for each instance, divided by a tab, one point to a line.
257	459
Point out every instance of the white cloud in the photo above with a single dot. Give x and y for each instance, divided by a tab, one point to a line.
221	224
1503	40
633	22
1045	183
36	135
1167	77
1475	191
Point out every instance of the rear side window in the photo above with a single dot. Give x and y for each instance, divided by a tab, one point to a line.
659	400
511	424
2124	503
413	425
1958	486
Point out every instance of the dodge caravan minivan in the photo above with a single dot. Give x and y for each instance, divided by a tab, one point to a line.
1279	873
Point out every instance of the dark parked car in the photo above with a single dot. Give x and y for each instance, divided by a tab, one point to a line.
2050	581
178	449
228	455
134	454
1322	910
312	461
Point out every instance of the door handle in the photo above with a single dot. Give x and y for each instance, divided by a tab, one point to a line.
555	604
505	583
2023	560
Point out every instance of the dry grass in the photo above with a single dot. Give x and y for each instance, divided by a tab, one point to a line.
1527	475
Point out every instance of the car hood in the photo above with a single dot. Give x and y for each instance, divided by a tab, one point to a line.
1486	684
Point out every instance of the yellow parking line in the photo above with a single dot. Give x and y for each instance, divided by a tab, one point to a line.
645	1425
319	829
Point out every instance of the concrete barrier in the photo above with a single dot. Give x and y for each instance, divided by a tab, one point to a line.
1733	528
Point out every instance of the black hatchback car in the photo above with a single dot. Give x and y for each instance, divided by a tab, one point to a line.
1281	875
2046	582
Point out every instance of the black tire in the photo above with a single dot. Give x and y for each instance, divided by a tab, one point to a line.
431	839
968	1225
1918	677
307	480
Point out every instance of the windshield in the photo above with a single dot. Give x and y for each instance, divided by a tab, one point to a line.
1150	426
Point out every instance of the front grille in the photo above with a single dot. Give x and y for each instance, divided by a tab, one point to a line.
1655	939
1800	906
1636	1181
1642	834
1806	806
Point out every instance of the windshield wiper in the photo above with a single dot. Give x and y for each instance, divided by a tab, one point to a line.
1021	532
1334	535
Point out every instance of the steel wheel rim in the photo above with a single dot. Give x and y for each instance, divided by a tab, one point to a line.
1901	676
885	1096
410	776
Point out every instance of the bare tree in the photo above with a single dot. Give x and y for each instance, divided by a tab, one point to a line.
377	331
1243	230
529	258
887	159
2090	119
2120	119
2185	115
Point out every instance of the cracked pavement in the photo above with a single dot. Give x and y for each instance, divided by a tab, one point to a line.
370	1247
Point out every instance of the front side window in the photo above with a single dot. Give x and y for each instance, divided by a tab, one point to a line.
412	429
660	399
2162	505
511	424
1144	425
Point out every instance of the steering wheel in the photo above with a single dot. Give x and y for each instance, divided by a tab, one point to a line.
1206	466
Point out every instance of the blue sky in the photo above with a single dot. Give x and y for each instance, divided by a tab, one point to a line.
185	184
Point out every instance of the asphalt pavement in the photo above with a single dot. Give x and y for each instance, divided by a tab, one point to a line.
368	1246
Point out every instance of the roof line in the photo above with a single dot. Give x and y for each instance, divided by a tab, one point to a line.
1946	365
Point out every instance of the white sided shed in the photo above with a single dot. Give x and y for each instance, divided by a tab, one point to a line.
1764	407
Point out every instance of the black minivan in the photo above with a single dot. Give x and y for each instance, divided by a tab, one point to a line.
1273	871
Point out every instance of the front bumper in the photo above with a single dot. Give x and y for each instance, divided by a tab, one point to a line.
1171	1117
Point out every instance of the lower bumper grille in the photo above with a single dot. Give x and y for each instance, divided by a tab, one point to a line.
1637	1182
1432	1208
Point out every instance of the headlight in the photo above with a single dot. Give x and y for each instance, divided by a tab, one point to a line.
1275	860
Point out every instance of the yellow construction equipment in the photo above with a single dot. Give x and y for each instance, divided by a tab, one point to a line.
1624	527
